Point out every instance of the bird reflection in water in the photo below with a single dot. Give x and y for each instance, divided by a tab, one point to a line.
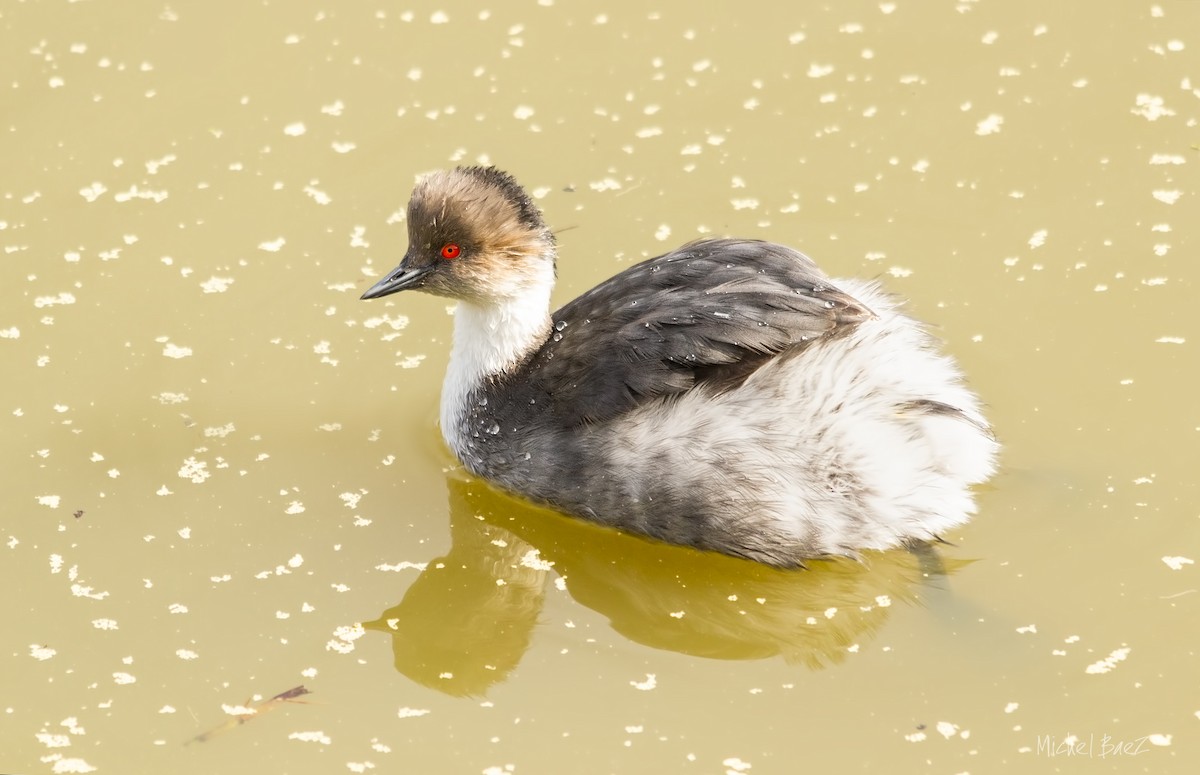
467	620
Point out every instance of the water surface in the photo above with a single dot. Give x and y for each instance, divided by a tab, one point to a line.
223	479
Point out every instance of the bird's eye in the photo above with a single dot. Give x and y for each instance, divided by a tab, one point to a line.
451	250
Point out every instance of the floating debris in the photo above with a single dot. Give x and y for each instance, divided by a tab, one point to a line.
246	712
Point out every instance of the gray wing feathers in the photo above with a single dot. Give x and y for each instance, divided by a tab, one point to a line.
709	313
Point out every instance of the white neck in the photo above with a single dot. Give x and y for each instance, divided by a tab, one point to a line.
490	340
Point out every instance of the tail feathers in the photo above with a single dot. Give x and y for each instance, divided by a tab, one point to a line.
962	443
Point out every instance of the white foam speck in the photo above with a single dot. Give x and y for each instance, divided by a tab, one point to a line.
1109	662
412	712
238	710
403	565
990	125
41	653
1177	563
136	193
608	184
272	246
532	559
395	323
1150	107
80	590
357	240
93	192
344	638
50	301
645	686
216	284
311	737
196	470
74	765
154	165
317	195
295	129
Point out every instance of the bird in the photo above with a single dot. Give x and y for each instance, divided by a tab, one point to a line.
727	395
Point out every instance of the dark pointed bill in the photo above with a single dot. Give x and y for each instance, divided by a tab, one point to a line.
399	279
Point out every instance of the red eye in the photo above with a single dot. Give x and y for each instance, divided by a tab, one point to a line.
451	250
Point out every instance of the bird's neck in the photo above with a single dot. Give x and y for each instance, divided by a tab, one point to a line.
491	339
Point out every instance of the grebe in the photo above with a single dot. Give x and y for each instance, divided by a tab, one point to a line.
726	395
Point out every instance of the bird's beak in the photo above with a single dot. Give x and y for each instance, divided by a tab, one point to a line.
401	278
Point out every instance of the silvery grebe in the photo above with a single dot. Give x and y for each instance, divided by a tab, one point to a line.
726	395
